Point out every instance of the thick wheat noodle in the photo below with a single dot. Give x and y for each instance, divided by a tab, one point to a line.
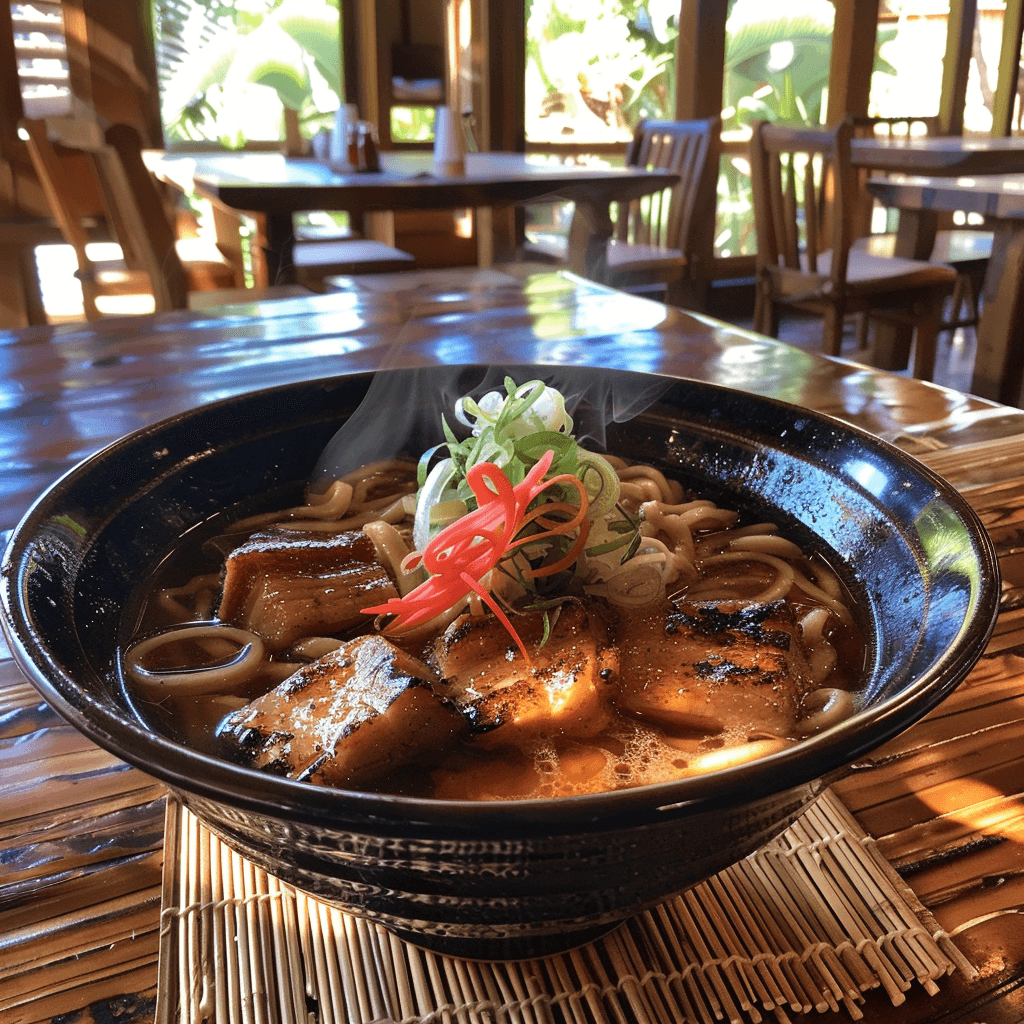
812	625
821	656
674	562
237	670
331	504
678	522
668	491
392	549
683	518
753	530
776	590
825	708
810	589
390	509
770	544
201	588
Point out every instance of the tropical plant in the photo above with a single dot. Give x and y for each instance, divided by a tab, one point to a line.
776	69
613	56
250	59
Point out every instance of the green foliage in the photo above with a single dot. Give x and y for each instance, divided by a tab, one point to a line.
777	62
776	67
290	47
627	42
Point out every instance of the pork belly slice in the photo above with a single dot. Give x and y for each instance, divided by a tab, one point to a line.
705	669
508	701
285	584
348	719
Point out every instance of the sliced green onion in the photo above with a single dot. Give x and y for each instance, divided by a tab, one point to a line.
601	483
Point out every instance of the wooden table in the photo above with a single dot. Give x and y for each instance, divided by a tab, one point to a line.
940	155
277	187
81	833
999	363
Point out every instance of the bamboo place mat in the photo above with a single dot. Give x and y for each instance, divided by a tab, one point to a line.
813	921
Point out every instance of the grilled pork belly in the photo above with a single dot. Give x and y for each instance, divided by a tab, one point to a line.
705	669
285	584
347	719
508	701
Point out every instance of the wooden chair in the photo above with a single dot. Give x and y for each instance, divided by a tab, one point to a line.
153	262
654	242
804	187
966	249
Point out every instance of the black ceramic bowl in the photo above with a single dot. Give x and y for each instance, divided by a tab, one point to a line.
510	878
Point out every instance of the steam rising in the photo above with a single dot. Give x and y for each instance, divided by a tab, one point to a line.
401	412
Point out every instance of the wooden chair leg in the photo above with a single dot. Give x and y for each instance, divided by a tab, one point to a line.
957	302
925	342
33	288
89	294
833	331
863	324
766	314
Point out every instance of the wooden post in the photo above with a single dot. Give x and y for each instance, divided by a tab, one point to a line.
10	111
700	82
1009	68
956	65
700	58
853	56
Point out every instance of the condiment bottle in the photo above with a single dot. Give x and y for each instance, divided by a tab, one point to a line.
369	158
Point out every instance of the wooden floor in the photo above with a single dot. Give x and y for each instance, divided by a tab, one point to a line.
954	359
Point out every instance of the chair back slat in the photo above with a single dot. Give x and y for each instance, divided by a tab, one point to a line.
145	230
804	186
687	148
801	178
58	191
132	205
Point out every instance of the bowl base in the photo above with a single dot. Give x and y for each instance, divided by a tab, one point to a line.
512	947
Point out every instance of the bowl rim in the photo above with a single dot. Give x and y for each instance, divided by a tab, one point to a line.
818	758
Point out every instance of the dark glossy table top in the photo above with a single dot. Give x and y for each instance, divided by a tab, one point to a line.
941	155
80	833
272	182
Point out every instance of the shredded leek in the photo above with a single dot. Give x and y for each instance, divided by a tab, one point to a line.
514	430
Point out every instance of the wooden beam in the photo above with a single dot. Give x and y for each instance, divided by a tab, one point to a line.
853	55
76	39
1009	68
350	53
10	92
504	38
956	64
700	82
700	58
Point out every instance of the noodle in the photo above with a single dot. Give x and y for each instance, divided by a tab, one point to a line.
218	677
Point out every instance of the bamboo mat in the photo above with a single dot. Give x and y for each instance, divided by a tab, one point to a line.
812	922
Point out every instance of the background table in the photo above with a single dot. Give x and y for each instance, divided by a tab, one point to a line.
276	187
940	155
999	363
80	832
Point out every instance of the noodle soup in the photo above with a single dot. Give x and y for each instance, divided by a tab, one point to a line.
543	623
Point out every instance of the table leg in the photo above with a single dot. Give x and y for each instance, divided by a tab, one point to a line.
999	362
278	246
589	232
21	303
915	239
